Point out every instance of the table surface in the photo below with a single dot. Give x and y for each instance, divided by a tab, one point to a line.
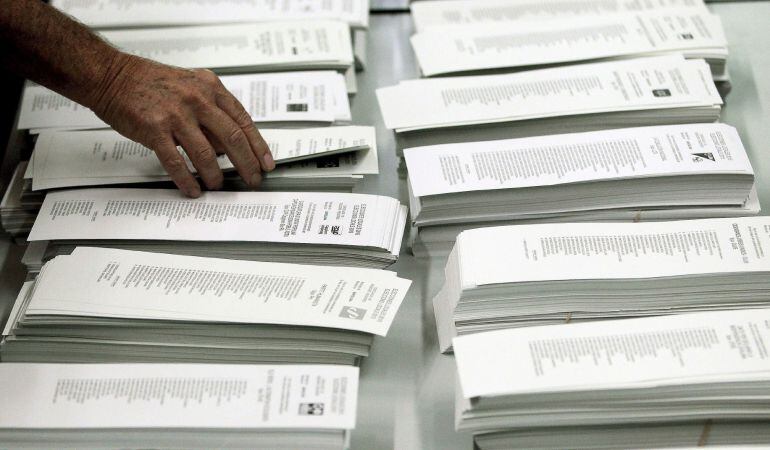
406	398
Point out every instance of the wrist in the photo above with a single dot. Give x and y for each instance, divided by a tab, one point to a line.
110	78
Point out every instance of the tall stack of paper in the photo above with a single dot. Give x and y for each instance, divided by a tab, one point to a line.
690	367
296	98
637	92
305	227
164	13
716	435
249	47
450	13
663	172
107	305
498	46
177	406
527	275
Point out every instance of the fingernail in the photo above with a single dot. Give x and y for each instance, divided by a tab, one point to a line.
194	192
268	162
255	180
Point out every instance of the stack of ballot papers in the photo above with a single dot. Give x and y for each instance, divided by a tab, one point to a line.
163	13
525	275
303	227
671	172
586	97
331	155
108	305
109	14
690	367
328	159
177	406
727	435
17	215
452	13
243	48
295	98
695	34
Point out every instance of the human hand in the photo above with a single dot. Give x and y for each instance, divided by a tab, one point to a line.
161	107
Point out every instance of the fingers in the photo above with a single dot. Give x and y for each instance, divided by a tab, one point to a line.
202	154
236	144
230	105
175	165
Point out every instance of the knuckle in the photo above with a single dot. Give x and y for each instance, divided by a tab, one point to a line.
173	163
158	120
206	156
236	138
207	76
194	97
244	119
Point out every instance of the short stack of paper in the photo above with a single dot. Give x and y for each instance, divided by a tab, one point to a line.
159	13
636	92
309	158
445	13
498	46
107	305
664	172
243	48
527	275
286	99
177	406
715	435
328	159
17	215
665	370
303	227
140	13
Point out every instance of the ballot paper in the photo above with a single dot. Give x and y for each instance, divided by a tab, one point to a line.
163	13
292	97
127	306
90	158
700	366
493	46
310	227
524	275
637	84
631	168
145	405
97	282
442	13
244	48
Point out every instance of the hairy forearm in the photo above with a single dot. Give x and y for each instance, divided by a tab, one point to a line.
42	44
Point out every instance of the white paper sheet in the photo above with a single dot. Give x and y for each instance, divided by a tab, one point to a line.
164	214
314	96
98	282
715	346
153	396
101	157
638	84
579	251
144	13
571	158
499	45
